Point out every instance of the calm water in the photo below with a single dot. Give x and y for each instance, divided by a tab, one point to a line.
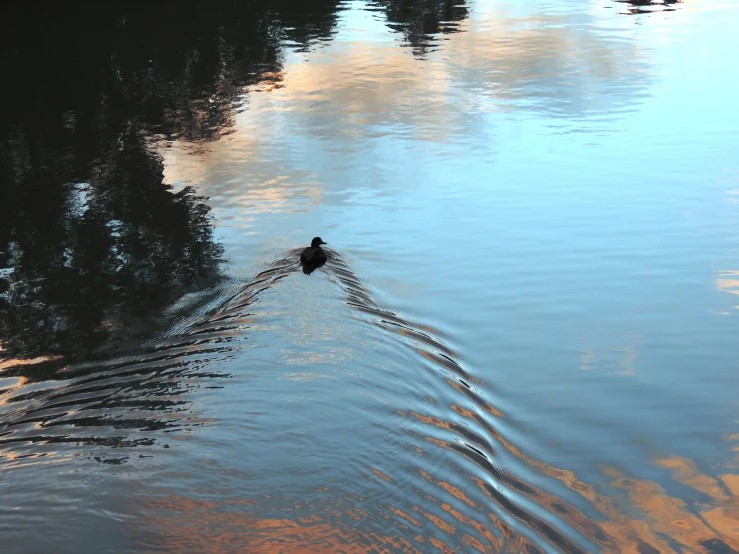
525	339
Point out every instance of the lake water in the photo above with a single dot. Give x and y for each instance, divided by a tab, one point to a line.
524	340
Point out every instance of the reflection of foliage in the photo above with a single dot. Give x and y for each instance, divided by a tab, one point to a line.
84	257
419	20
178	67
302	22
635	7
90	236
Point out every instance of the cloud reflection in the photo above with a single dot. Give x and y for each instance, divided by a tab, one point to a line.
348	108
728	281
647	519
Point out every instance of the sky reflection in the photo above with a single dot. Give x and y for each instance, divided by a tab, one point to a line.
347	114
543	187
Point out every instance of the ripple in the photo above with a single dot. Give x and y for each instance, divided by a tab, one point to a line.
437	458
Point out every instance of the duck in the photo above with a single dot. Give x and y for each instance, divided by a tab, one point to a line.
314	256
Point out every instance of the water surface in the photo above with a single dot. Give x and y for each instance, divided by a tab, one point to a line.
524	339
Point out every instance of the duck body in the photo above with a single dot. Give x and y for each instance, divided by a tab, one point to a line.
314	256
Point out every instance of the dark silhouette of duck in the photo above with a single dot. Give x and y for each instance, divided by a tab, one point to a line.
313	257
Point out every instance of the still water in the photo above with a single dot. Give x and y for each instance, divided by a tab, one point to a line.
524	339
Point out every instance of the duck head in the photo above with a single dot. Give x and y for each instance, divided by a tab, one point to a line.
316	242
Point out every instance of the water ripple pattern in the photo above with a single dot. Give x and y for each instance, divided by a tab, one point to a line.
524	339
432	465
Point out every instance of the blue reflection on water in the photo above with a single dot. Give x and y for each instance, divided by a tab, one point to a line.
549	194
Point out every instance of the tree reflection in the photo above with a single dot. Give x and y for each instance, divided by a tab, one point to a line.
91	238
85	257
420	20
634	7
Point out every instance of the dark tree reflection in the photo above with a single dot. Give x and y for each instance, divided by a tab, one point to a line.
85	258
92	240
635	7
421	20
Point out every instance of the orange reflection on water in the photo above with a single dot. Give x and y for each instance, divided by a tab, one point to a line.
405	516
13	362
473	542
441	546
728	281
655	520
454	491
202	526
483	530
664	516
652	518
475	398
437	521
381	475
